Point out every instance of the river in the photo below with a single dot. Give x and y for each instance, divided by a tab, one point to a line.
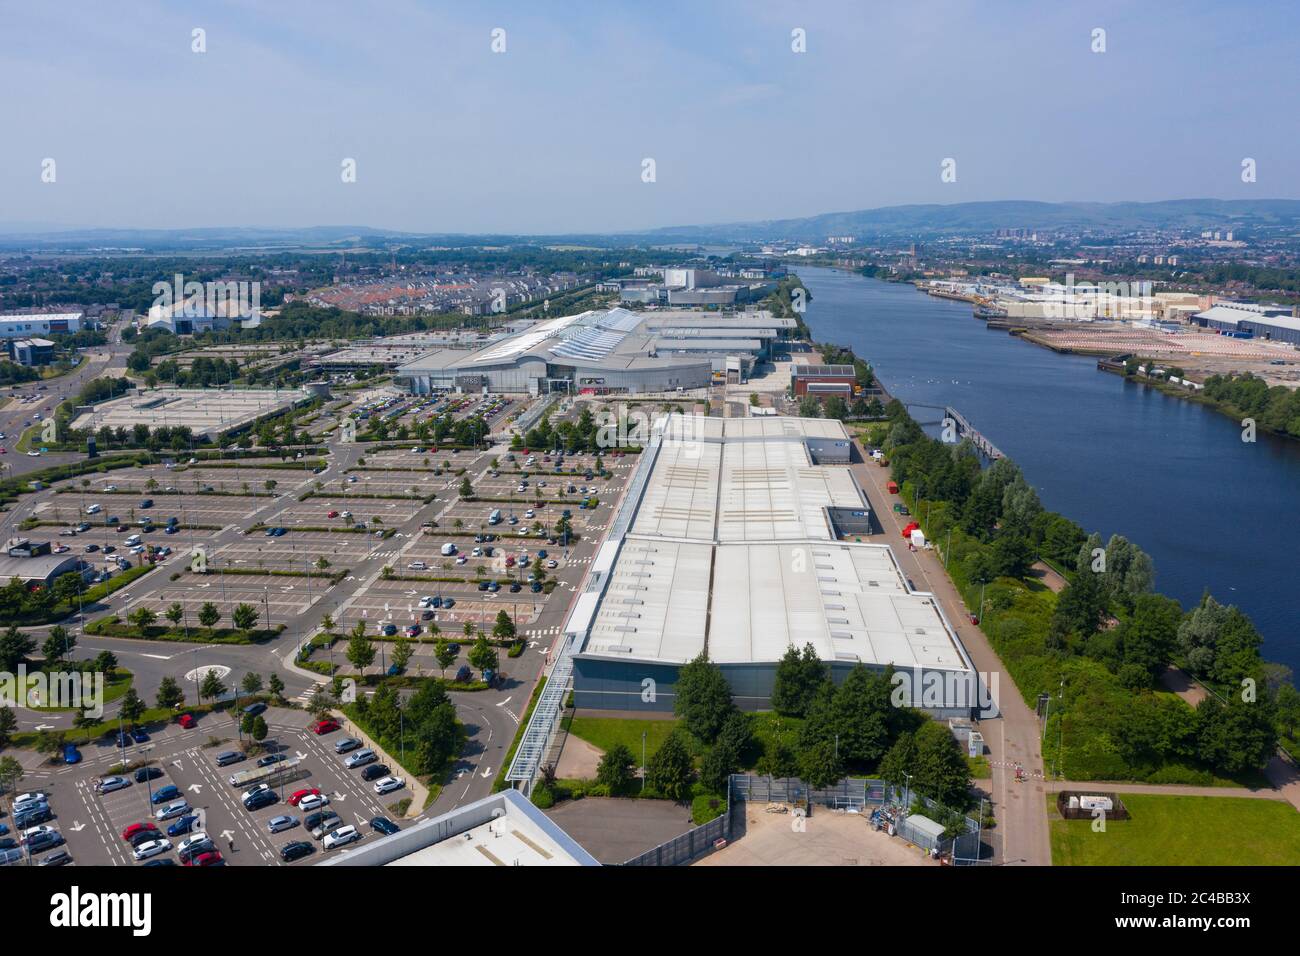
1172	476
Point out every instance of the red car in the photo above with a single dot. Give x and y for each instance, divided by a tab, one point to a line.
332	514
211	858
299	794
324	727
187	721
135	828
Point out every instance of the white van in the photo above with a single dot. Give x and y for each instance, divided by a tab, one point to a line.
132	541
495	516
93	509
448	549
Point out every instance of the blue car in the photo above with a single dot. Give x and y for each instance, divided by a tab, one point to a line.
4	829
164	794
184	825
122	741
71	754
139	736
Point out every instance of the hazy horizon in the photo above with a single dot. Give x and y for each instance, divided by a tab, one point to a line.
549	136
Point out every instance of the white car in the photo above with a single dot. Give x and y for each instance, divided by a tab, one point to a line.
552	564
530	513
417	566
426	602
176	808
151	848
193	840
313	801
109	784
388	785
36	831
23	799
341	837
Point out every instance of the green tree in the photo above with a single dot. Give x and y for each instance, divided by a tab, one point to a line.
703	698
251	683
819	766
259	729
8	724
276	686
142	617
444	654
484	656
361	652
798	676
616	768
209	615
671	770
169	693
504	628
402	651
244	617
58	645
211	687
941	770
175	613
14	648
132	707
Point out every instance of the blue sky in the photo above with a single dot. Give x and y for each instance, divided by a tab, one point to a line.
550	135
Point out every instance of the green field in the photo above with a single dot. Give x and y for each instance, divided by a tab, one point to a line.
605	732
1182	831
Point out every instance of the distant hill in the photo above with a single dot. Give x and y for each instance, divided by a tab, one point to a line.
970	217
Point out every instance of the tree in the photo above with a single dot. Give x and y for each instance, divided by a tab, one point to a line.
484	656
259	729
276	686
361	652
819	765
14	648
1235	737
670	770
941	770
251	683
402	651
466	489
211	688
797	678
105	662
132	707
504	628
1219	643
444	654
244	617
209	615
899	761
726	756
11	771
8	724
169	693
142	617
616	769
703	698
175	613
58	645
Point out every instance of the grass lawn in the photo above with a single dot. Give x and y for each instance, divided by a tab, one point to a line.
605	732
116	684
1181	831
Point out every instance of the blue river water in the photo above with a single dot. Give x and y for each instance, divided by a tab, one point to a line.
1172	476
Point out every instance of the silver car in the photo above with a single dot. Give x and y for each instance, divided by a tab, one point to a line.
360	759
277	824
176	808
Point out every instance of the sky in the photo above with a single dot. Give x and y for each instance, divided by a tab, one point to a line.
552	134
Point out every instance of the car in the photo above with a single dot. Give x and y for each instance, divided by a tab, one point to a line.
388	629
121	741
346	744
92	548
186	721
195	840
252	710
257	801
313	801
45	840
319	824
360	759
110	784
535	587
27	799
483	585
384	826
515	587
130	832
448	602
139	735
57	858
145	774
296	850
417	566
151	848
210	858
159	861
184	825
280	823
165	794
332	514
33	454
297	796
40	813
542	553
341	837
388	785
325	726
552	564
374	772
204	846
271	759
146	503
174	809
227	757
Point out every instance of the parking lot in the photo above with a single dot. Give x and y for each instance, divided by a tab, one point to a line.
92	823
278	599
398	601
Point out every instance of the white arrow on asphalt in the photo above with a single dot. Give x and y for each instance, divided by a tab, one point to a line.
227	835
503	702
196	788
77	827
44	726
340	797
486	773
176	764
301	755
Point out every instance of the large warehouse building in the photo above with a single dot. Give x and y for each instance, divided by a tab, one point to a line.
735	538
607	351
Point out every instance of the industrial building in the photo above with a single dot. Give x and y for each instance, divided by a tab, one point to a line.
606	351
742	538
1247	320
32	352
821	381
504	829
39	323
206	412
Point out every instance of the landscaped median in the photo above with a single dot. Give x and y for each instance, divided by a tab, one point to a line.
113	626
17	608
